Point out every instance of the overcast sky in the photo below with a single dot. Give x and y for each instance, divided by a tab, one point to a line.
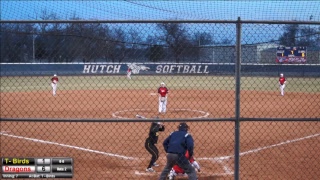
163	10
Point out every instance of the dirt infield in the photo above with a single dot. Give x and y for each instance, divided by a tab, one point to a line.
269	150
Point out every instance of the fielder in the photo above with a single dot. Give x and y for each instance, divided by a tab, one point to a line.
54	84
163	98
178	171
129	72
282	84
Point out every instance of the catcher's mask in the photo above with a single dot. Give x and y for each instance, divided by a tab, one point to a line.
183	126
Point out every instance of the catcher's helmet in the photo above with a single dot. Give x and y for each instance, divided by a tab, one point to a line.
183	126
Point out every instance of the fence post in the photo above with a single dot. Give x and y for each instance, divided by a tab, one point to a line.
237	107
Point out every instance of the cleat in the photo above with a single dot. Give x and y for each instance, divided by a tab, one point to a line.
150	170
155	164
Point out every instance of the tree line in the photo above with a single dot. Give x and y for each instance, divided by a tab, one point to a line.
87	42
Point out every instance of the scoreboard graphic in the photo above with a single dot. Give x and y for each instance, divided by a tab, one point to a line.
291	55
46	167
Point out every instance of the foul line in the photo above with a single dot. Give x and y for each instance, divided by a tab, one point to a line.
228	170
262	148
158	173
66	145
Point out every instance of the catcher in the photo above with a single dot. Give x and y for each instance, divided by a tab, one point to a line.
178	171
163	98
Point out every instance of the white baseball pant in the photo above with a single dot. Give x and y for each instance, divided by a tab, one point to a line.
129	75
54	88
282	89
163	105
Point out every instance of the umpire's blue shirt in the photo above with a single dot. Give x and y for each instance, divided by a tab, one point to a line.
178	142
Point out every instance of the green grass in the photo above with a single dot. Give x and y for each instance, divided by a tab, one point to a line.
40	83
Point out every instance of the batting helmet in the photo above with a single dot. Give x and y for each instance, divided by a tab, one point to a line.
281	74
183	126
54	75
162	83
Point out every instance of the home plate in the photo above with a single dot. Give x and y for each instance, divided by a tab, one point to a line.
146	173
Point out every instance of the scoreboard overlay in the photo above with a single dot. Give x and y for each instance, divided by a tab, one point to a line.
291	55
44	167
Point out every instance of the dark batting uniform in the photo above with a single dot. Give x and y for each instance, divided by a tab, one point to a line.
176	146
152	140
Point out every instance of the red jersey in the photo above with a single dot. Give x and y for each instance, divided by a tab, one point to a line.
129	70
54	79
282	80
178	169
163	91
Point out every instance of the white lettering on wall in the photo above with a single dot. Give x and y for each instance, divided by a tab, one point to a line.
102	67
159	69
110	69
116	68
172	68
166	68
193	69
179	67
86	69
94	68
186	69
200	69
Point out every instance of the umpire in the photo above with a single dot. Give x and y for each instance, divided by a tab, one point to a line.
150	144
176	146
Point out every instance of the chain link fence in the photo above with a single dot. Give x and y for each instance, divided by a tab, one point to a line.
101	118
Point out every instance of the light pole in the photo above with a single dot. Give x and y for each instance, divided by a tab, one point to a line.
310	18
33	49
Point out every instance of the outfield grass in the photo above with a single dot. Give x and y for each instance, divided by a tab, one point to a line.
39	83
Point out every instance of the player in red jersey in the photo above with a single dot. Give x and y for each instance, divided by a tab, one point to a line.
54	84
129	71
282	84
178	171
163	98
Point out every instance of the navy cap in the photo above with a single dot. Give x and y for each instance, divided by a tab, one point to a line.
183	126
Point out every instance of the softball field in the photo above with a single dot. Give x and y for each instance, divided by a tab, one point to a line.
107	141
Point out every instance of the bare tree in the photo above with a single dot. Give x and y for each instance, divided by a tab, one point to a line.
308	37
296	35
48	38
289	35
7	42
117	45
175	36
202	38
134	44
16	40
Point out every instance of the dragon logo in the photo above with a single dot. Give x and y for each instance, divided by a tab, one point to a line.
136	68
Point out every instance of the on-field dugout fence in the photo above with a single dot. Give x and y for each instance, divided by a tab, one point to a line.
243	128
